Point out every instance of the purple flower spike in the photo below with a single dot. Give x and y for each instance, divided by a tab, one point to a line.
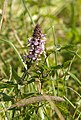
36	44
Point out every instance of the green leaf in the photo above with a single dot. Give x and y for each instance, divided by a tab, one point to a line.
67	47
57	67
5	97
74	77
6	85
66	64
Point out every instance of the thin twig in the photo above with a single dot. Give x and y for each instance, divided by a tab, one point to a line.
31	100
54	107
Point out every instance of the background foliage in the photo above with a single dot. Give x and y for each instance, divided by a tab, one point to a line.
60	20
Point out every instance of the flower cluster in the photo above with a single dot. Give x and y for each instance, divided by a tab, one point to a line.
36	44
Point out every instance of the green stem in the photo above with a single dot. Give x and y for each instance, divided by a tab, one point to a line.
73	21
55	40
26	8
